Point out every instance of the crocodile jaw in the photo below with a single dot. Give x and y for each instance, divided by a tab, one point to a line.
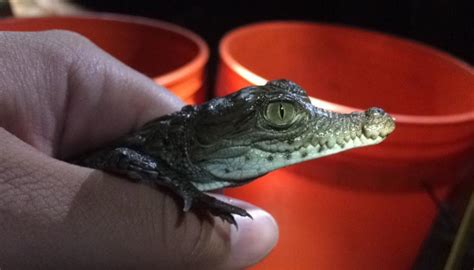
257	162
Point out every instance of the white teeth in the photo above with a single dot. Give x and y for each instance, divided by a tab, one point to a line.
331	142
340	141
384	133
371	134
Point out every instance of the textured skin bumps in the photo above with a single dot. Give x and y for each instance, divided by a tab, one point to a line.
229	141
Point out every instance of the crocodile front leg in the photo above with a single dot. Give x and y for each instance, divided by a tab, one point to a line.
144	169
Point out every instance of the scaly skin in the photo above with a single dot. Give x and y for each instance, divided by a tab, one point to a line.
232	140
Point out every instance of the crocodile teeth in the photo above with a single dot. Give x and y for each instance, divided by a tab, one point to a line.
331	143
371	134
340	141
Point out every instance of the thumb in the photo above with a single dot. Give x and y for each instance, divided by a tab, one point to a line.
59	216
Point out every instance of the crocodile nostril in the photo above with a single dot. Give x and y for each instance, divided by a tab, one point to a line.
373	112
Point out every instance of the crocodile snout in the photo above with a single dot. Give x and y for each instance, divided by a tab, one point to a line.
378	123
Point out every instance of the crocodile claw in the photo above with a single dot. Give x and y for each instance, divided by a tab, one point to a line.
194	198
187	203
221	209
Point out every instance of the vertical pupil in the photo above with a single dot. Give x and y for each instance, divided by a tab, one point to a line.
282	111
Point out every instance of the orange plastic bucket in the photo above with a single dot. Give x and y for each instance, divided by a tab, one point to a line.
173	56
365	208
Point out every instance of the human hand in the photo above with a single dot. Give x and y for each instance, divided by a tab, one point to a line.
59	96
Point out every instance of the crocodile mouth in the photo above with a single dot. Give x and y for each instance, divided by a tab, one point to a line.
357	141
335	146
257	161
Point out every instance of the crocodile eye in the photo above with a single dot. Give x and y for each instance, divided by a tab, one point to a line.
280	113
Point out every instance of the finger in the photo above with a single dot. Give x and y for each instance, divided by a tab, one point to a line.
62	94
60	216
254	238
107	98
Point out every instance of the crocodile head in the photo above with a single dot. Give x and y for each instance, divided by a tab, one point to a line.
262	128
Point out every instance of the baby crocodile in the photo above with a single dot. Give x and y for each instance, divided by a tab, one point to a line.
229	141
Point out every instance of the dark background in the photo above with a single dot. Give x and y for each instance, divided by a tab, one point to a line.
444	24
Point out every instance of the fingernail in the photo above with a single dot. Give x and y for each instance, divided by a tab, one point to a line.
254	238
